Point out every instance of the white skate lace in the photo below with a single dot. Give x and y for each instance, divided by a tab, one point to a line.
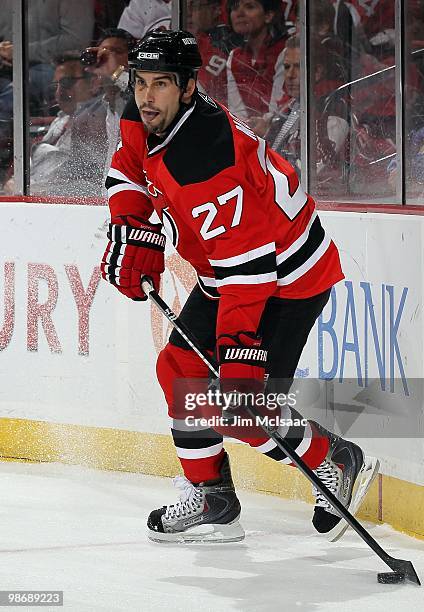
329	474
190	499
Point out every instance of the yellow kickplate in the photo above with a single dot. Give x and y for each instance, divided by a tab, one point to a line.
389	500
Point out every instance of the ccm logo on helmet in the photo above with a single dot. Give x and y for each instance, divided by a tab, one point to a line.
189	41
144	55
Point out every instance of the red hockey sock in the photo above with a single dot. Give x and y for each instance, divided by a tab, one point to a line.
317	450
200	470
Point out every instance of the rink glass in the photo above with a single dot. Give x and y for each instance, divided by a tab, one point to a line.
414	104
357	143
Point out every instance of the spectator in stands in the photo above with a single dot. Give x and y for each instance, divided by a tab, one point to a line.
107	13
215	40
54	26
255	69
332	20
108	63
377	20
141	16
282	129
71	155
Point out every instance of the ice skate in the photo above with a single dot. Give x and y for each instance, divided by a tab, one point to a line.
206	512
348	474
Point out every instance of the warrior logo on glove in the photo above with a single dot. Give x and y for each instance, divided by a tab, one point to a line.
242	362
136	248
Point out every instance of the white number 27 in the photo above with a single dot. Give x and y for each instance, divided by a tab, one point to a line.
211	210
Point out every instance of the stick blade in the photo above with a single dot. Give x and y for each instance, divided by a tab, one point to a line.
406	568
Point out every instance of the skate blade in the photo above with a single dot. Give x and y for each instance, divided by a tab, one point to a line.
208	534
363	482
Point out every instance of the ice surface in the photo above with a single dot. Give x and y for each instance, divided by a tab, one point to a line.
83	531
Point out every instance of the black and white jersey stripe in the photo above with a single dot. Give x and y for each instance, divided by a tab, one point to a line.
250	268
303	253
208	285
117	181
262	265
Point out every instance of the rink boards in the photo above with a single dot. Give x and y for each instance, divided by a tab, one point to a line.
78	380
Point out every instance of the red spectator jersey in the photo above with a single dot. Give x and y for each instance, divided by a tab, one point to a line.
255	83
290	10
233	208
213	74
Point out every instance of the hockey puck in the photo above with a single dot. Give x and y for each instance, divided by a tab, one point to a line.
391	577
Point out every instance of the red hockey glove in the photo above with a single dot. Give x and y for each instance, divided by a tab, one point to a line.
242	362
136	247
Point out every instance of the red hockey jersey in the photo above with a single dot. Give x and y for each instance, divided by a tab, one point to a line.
233	208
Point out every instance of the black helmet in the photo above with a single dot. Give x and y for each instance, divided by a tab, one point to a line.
167	51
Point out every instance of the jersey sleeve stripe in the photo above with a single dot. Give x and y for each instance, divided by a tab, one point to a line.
244	257
111	182
111	191
257	279
116	177
208	286
117	174
208	281
290	278
315	239
299	242
266	264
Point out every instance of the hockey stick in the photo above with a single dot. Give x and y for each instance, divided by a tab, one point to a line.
402	569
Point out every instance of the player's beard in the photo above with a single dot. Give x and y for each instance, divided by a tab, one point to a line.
152	129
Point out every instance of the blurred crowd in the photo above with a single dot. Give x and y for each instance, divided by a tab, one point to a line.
77	83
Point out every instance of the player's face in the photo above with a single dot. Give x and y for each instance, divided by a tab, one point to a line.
249	18
158	99
292	72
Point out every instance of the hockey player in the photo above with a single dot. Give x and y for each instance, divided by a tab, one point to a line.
236	212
